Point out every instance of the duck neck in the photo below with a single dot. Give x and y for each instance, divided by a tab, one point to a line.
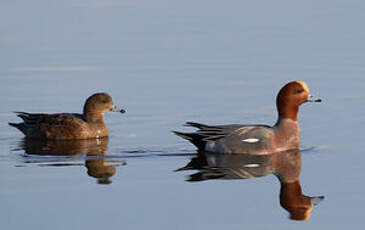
290	191
287	114
93	117
287	111
292	199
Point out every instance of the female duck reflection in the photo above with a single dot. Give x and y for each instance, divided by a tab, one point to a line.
286	166
95	150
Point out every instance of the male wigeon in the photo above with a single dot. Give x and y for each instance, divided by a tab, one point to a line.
285	165
67	126
257	139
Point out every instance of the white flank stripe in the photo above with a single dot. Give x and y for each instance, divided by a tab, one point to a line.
251	140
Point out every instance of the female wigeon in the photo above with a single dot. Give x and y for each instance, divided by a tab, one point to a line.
257	139
98	166
67	126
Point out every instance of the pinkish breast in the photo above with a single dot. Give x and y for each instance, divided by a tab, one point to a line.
286	136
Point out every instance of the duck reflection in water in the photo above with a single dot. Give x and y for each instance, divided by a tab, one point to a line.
94	149
286	166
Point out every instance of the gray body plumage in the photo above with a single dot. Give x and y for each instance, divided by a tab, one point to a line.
230	138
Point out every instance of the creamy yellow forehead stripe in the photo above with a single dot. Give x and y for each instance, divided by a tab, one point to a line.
304	85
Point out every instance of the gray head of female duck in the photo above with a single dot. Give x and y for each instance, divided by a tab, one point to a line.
98	104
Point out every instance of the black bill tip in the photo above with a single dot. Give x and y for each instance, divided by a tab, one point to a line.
318	100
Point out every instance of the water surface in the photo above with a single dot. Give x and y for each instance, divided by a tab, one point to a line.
167	62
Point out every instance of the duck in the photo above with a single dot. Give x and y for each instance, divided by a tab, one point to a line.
285	165
259	139
69	126
98	165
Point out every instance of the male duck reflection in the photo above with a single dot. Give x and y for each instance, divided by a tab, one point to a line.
95	150
69	126
286	166
257	139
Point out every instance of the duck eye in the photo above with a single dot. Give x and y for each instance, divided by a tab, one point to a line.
298	91
104	101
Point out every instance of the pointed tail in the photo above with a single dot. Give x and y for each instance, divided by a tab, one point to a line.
19	126
194	138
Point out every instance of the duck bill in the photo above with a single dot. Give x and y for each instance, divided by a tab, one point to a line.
117	109
311	98
316	200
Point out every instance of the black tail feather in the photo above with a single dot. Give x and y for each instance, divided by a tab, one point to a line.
202	176
194	138
16	125
19	126
187	136
196	125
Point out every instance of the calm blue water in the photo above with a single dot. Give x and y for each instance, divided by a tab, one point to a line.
167	62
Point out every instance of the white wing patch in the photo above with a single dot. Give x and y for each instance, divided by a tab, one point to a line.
251	140
251	166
